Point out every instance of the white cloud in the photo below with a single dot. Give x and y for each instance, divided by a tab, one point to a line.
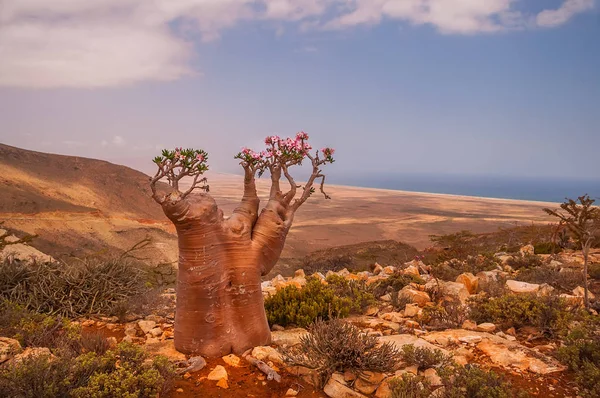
551	18
103	43
118	140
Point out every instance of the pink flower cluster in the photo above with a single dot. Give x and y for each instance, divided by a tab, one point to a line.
328	152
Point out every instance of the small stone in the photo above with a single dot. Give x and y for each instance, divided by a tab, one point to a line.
511	331
349	375
277	328
470	281
432	377
335	389
522	287
128	339
232	360
156	332
377	269
223	384
291	392
486	327
580	292
88	323
179	390
266	353
8	348
299	273
371	311
146	326
469	325
112	341
218	373
527	250
411	310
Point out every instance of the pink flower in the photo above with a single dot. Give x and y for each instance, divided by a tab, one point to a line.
200	157
302	136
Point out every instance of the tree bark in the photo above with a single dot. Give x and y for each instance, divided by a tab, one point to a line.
220	306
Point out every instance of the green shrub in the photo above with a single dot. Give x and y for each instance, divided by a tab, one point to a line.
549	313
335	345
120	372
445	315
409	386
424	358
449	270
528	261
473	382
546	248
566	280
395	283
301	307
581	353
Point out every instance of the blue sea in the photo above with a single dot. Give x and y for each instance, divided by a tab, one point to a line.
538	189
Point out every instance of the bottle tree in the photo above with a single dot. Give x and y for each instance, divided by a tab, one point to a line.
221	259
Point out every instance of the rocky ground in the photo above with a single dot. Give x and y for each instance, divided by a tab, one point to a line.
523	355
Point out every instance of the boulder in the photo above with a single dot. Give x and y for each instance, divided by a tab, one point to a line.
414	296
486	327
377	269
432	377
580	292
146	326
30	352
456	290
218	373
393	317
289	337
519	287
23	252
266	353
9	348
527	250
368	382
469	325
470	281
335	389
411	270
384	390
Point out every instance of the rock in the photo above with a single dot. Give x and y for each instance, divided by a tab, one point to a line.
571	300
146	325
128	339
30	352
527	250
515	356
266	353
277	328
289	337
469	325
179	390
23	252
335	389
299	273
545	290
409	323
291	392
377	269
384	390
156	332
195	364
386	297
486	327
9	348
389	270
400	340
232	360
522	287
344	272
411	310
432	377
217	373
392	317
414	296
223	384
511	332
411	270
580	292
372	311
111	341
365	386
166	348
349	376
456	290
470	281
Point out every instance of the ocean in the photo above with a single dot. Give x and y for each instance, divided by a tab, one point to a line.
537	189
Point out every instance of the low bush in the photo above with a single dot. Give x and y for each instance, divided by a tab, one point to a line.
546	248
471	381
581	353
120	372
549	313
395	283
424	358
594	271
566	280
409	386
525	262
90	286
449	270
301	307
335	345
445	315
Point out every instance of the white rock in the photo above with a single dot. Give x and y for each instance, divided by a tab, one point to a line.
335	389
288	337
218	373
146	326
522	287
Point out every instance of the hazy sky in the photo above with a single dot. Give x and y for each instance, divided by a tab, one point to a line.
486	87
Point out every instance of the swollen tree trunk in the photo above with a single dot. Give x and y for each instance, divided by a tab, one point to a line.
586	251
220	306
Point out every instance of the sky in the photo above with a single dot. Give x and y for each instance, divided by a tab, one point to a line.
507	88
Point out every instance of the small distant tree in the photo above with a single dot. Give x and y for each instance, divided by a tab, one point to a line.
220	305
582	219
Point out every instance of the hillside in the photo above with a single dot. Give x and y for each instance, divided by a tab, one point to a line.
78	206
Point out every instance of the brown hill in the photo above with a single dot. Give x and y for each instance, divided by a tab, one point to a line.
34	182
79	206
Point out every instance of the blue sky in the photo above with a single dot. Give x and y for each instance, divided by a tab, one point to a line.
496	87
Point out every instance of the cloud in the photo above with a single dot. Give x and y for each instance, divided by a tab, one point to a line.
118	140
570	8
107	43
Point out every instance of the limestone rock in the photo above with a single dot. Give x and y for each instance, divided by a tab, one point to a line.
527	250
486	327
217	373
384	390
291	392
470	281
432	377
155	332
389	270
372	310
8	348
289	337
400	340
411	270
23	252
580	292
393	317
232	360
414	296
146	326
412	310
30	352
377	269
335	389
456	290
515	356
266	353
469	325
522	287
